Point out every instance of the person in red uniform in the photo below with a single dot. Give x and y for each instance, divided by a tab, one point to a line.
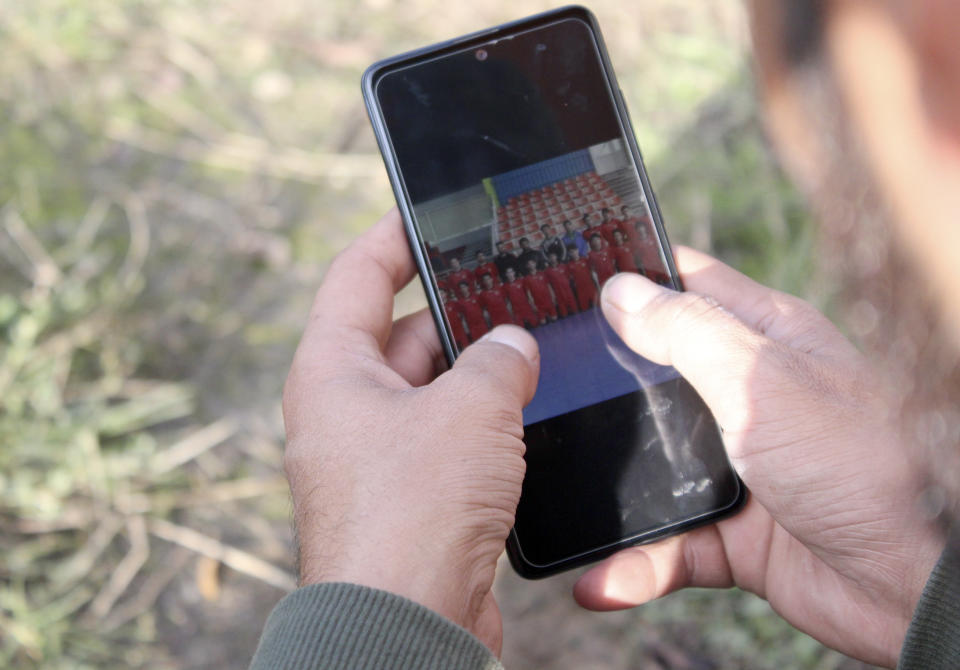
579	271
472	312
646	254
485	267
459	274
609	225
523	314
627	221
591	227
601	260
538	287
622	254
560	283
493	299
455	317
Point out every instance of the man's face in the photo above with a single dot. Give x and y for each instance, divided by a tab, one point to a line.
455	264
625	212
525	244
501	248
568	226
464	290
605	215
574	253
487	281
511	274
553	260
547	231
596	243
618	238
481	258
531	266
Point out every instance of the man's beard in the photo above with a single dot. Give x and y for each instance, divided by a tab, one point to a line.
887	303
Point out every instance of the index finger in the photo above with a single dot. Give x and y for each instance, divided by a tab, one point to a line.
355	301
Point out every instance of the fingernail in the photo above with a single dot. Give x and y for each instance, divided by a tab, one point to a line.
514	337
629	292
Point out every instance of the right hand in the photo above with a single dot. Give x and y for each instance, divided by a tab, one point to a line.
830	535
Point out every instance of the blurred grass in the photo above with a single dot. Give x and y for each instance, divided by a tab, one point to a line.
174	177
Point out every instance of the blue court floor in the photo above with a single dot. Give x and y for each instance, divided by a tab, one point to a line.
583	362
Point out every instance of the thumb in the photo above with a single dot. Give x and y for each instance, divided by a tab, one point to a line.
507	360
723	358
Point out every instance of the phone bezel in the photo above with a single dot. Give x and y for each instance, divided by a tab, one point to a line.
371	76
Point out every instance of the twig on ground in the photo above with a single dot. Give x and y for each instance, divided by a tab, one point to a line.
175	560
193	445
239	560
82	562
126	570
139	240
44	271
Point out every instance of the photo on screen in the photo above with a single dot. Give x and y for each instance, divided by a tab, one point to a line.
533	247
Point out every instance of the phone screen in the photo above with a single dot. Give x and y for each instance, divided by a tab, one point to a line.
527	196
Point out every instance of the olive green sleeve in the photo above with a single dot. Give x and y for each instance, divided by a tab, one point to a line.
933	639
348	626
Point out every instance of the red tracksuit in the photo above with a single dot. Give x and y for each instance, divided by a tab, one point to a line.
494	301
602	263
596	230
606	229
624	258
487	269
647	257
539	289
473	315
454	312
579	271
560	282
454	279
523	314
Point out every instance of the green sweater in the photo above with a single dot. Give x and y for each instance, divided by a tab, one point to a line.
348	626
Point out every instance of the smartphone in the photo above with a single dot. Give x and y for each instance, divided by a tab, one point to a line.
522	191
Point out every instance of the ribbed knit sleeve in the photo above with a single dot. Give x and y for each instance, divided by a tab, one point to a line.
348	626
933	639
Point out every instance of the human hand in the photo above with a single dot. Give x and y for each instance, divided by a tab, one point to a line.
401	481
829	535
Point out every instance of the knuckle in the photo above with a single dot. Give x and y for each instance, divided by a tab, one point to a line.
695	308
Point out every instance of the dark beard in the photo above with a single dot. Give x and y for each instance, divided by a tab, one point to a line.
887	303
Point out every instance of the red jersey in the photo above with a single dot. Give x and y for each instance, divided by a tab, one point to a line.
487	269
494	301
606	229
454	316
590	232
629	227
539	289
602	263
522	312
473	315
454	279
646	256
560	282
623	255
579	271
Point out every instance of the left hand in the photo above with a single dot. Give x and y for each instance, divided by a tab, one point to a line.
400	481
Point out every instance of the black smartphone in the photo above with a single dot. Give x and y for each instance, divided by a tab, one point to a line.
522	190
